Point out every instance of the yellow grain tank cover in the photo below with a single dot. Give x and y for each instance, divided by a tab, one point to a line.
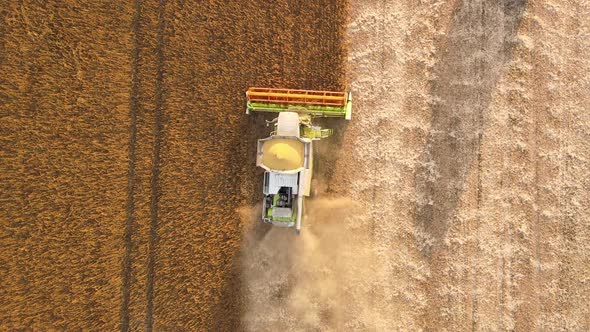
283	154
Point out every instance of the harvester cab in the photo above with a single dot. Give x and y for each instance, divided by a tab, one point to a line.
287	154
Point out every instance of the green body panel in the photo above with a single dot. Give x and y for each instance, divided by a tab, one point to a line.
285	219
281	219
327	111
316	133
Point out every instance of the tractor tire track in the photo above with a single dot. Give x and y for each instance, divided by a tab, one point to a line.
155	185
130	218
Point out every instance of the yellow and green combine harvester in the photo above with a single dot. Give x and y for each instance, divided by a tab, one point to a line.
287	154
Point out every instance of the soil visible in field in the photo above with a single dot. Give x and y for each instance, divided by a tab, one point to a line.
457	198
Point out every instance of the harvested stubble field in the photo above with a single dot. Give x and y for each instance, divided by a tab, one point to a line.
456	199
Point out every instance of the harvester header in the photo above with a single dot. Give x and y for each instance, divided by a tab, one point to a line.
316	103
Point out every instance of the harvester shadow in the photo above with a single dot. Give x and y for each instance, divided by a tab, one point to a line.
474	54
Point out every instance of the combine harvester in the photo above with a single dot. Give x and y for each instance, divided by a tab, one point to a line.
287	155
